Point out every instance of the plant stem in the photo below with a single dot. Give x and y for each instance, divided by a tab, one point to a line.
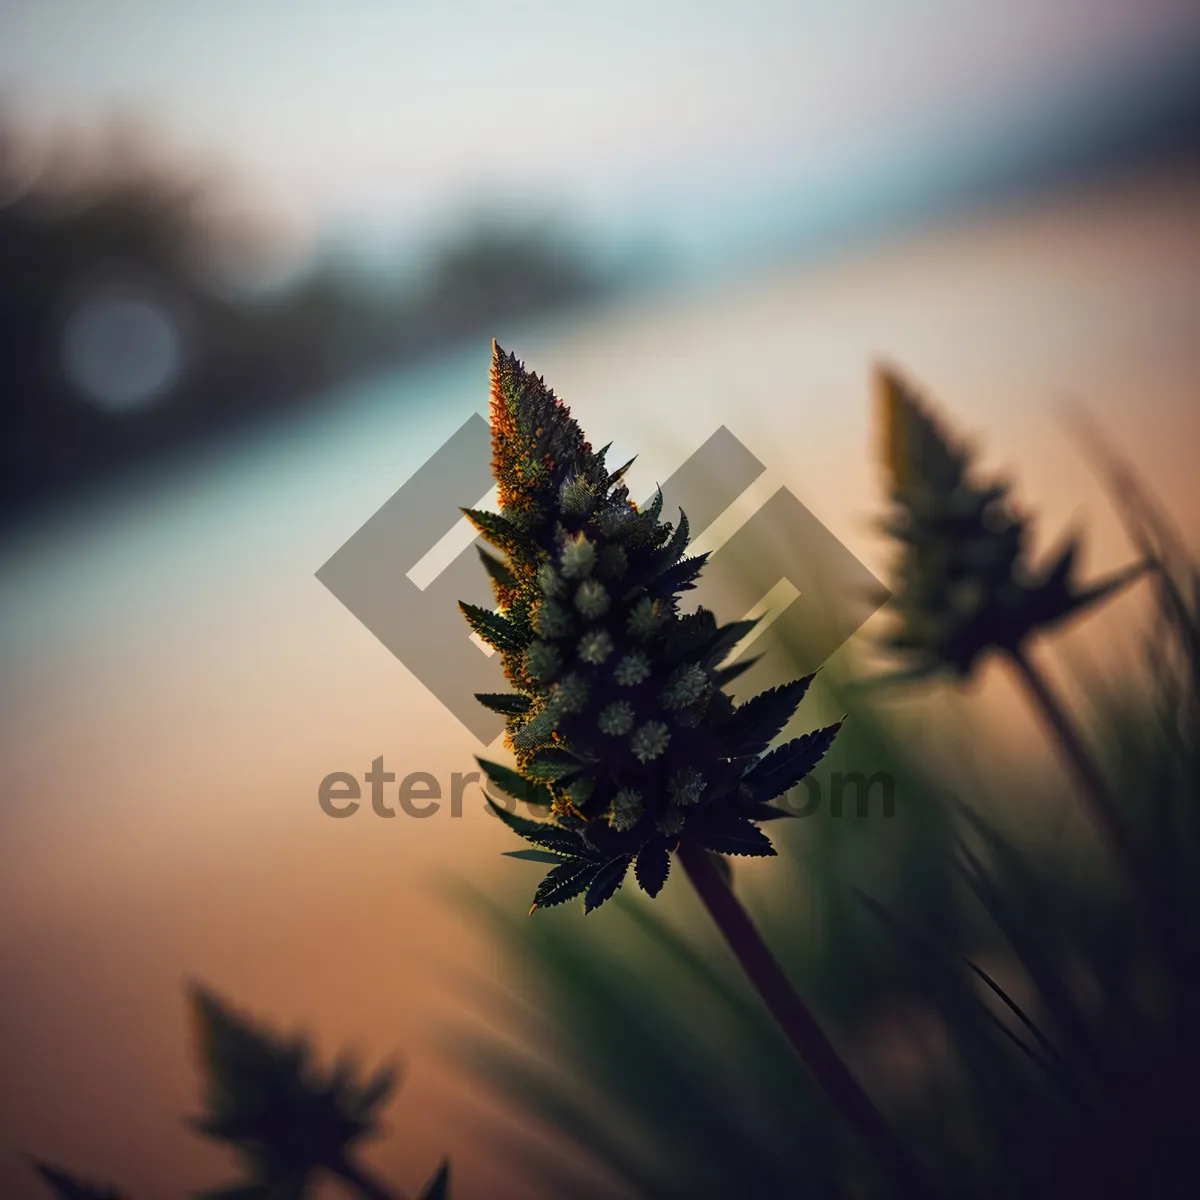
364	1183
798	1023
1099	799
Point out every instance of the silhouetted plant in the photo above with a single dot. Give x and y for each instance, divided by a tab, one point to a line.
965	585
287	1119
1123	1069
618	719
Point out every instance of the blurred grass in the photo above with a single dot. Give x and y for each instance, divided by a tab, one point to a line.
991	983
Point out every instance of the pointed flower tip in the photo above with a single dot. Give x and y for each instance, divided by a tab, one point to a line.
532	909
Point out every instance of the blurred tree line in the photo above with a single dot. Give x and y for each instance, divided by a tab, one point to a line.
119	340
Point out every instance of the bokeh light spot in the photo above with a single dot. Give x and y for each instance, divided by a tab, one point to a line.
122	350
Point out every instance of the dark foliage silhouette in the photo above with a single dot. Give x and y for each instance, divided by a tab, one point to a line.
288	1120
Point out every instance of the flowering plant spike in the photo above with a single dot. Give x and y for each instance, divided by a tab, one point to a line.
964	583
617	716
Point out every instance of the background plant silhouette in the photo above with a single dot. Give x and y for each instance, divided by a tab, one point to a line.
288	1121
965	585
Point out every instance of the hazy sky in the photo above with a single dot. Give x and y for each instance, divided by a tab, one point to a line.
388	111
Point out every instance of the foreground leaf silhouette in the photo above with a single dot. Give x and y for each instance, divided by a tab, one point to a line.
287	1119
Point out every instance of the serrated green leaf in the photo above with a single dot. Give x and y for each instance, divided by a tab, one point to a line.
755	724
765	812
652	866
725	638
498	569
783	768
496	630
565	882
537	731
508	704
513	783
673	550
553	764
681	577
498	530
549	835
606	881
726	675
654	510
619	473
687	636
537	856
731	834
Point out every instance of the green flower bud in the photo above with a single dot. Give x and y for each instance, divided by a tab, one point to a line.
687	686
645	617
616	520
632	669
616	719
591	599
626	809
650	741
670	823
576	497
570	695
552	620
580	790
612	562
542	661
595	646
578	558
686	786
549	581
